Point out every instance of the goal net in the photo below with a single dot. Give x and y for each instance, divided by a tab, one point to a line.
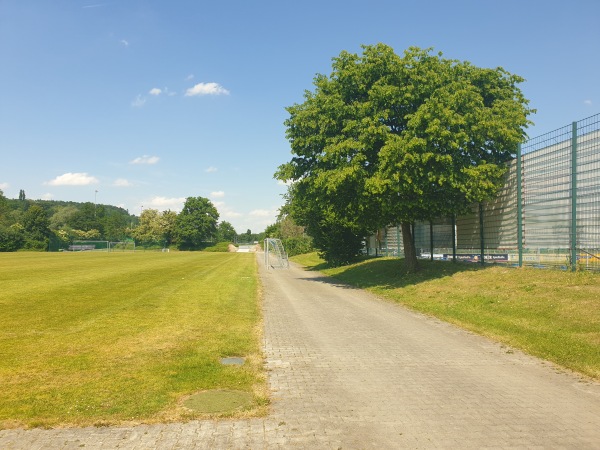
122	246
275	255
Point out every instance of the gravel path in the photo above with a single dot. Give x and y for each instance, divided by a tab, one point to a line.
348	370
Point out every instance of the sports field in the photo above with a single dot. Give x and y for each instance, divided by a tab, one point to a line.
102	338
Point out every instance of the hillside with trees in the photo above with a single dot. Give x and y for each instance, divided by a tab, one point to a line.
51	225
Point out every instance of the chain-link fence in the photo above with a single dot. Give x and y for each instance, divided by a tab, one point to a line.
546	215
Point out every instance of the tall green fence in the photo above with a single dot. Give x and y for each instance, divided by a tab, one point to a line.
546	215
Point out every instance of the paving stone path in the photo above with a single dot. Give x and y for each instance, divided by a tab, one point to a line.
350	371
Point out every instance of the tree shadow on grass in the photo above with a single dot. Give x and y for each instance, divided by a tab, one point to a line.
390	273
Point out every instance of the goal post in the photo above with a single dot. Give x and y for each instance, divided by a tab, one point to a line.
275	255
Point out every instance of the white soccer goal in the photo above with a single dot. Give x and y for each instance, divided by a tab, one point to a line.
275	255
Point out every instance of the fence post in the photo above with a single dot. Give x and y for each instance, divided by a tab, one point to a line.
453	238
481	234
398	240
519	206
574	197
431	239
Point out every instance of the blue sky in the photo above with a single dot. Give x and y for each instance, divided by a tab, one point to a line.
141	104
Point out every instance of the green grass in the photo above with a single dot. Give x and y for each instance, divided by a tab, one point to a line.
554	315
105	338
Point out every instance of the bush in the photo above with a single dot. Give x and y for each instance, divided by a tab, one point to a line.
221	247
11	239
297	245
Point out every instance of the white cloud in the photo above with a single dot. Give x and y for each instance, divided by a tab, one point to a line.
125	43
226	213
122	182
206	89
138	102
145	160
47	196
217	194
211	169
4	185
155	91
73	179
261	213
588	102
189	77
164	203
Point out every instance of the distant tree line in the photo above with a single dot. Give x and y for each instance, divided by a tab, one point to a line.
43	225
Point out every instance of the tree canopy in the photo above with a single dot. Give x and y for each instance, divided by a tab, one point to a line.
226	232
196	224
389	139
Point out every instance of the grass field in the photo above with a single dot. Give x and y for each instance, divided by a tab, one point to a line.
104	338
551	314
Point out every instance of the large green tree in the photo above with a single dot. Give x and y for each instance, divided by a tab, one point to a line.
155	227
226	232
168	221
37	228
149	229
389	139
3	208
196	223
11	238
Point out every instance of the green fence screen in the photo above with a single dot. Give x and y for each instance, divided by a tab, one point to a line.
546	215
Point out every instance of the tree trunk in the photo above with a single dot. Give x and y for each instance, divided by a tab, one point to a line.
410	252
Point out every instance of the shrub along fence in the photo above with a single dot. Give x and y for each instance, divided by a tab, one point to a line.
546	215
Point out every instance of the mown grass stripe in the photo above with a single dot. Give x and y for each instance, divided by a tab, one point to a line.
101	338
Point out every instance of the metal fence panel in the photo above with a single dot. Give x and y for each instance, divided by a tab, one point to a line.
556	223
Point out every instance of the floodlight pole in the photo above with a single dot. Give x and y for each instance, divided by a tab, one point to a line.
95	201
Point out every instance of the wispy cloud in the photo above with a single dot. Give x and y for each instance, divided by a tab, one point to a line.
124	42
206	89
155	91
47	196
122	182
189	77
4	185
227	213
261	213
164	203
211	169
217	194
138	102
145	160
588	102
94	6
73	179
